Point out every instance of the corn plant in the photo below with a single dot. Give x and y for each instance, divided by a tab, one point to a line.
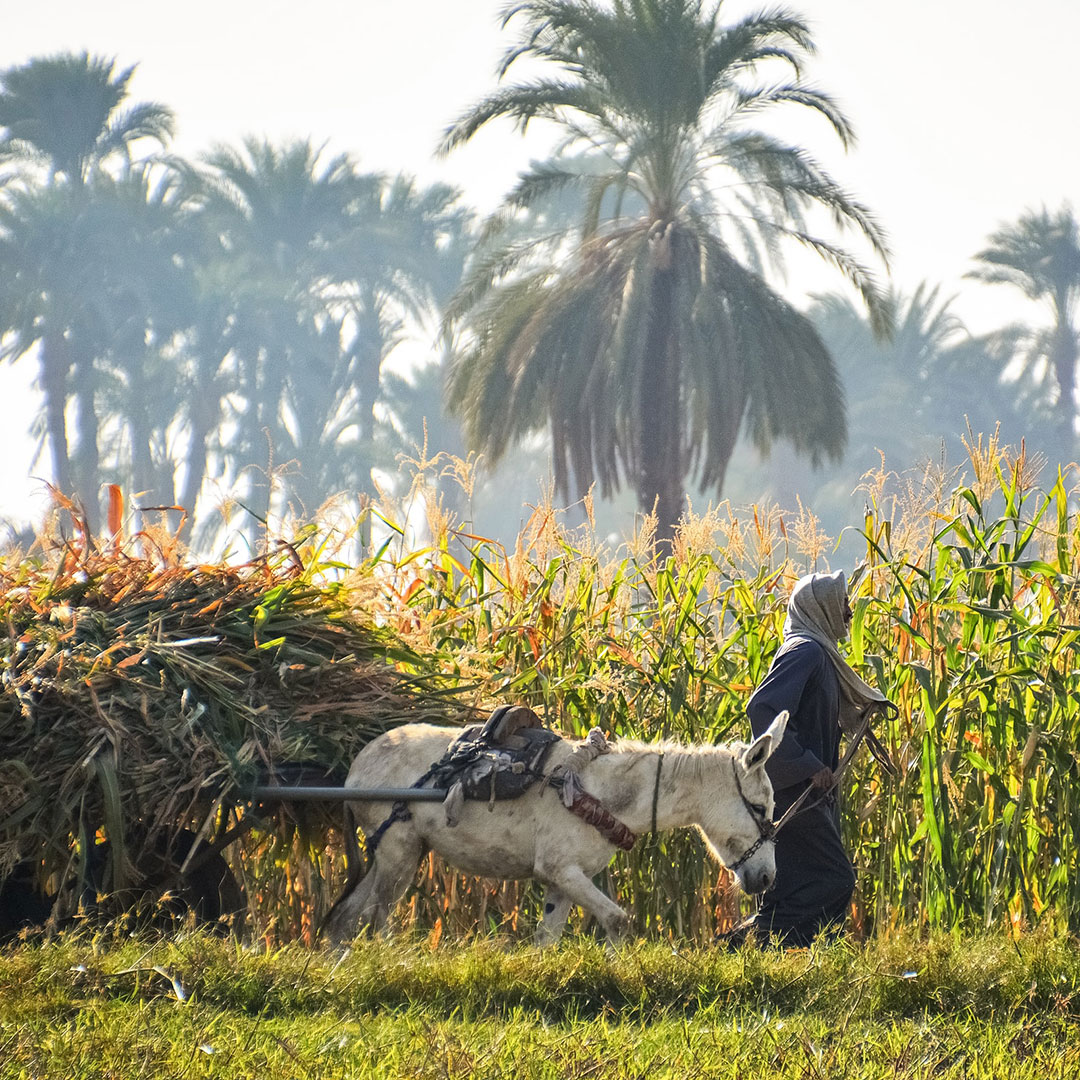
966	618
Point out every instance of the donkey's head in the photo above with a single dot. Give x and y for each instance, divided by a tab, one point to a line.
738	822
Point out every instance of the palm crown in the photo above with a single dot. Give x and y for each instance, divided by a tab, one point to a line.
650	336
65	112
1039	254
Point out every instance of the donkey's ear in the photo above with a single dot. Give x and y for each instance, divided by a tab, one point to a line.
760	750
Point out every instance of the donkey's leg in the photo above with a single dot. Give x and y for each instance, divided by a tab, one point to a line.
342	924
369	903
556	911
574	884
395	866
352	912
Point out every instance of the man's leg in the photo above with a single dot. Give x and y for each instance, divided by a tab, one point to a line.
814	879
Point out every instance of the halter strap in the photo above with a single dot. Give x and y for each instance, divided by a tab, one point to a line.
656	787
766	829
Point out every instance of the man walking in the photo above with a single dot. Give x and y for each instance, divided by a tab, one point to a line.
824	697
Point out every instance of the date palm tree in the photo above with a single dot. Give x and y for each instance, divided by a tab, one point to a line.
62	118
273	213
322	264
147	301
41	283
94	282
1039	254
66	114
647	336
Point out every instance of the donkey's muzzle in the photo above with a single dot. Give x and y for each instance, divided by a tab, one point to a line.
757	881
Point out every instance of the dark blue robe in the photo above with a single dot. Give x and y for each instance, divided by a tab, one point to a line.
814	876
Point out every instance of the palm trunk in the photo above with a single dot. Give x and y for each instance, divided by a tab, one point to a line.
661	469
204	412
1063	357
88	458
54	367
194	477
312	398
369	353
143	476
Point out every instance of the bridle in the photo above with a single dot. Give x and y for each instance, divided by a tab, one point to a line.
766	828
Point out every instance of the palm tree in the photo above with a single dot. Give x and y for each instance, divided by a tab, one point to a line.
40	283
914	399
64	113
94	282
649	338
273	213
63	116
897	374
921	373
322	265
144	260
413	261
1039	254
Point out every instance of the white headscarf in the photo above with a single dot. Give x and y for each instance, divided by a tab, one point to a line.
816	611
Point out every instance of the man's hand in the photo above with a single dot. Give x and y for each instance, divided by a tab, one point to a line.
822	780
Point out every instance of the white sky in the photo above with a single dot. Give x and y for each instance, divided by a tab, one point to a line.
966	111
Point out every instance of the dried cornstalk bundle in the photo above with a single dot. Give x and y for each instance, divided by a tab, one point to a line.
139	694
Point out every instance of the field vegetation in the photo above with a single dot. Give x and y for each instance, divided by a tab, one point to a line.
196	1006
965	616
961	961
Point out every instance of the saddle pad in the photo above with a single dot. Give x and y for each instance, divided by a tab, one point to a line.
493	772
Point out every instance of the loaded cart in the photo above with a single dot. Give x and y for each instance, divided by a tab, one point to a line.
184	870
153	714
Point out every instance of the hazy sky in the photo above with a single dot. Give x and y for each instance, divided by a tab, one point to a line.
966	110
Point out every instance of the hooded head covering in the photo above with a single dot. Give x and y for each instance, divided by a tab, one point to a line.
816	610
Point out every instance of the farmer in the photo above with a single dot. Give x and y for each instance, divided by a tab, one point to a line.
824	696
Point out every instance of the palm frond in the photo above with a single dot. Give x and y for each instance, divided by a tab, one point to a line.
521	104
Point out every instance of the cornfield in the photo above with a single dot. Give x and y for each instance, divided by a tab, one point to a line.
965	615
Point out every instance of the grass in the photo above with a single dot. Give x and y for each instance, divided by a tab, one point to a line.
194	1005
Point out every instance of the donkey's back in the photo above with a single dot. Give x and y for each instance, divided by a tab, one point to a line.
503	839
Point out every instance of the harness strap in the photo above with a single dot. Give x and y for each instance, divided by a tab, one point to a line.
593	812
399	812
656	787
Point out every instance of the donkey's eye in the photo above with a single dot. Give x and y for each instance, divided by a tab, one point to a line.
759	810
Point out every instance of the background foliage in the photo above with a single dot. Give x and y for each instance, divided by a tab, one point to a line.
257	326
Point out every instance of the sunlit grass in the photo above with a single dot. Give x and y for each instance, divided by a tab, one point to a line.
198	1006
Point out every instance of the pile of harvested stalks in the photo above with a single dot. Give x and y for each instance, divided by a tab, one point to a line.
139	693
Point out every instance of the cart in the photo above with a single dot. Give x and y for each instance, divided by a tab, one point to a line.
187	866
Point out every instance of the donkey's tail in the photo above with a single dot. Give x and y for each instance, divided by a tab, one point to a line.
354	860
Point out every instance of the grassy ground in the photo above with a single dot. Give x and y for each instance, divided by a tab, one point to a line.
195	1006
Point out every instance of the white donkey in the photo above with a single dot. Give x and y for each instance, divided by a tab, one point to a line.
721	789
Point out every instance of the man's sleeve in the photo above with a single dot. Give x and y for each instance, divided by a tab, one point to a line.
791	763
